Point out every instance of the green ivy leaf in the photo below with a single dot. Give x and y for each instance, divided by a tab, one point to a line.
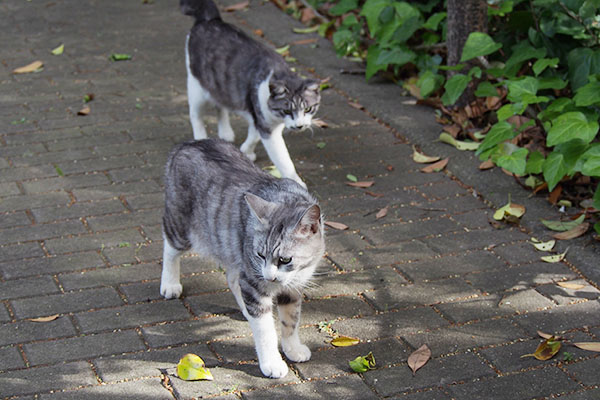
554	169
557	107
499	133
571	125
518	88
371	11
540	65
591	167
588	95
372	65
397	56
454	87
434	20
534	163
508	110
551	83
486	89
429	82
343	7
478	44
521	52
579	61
512	158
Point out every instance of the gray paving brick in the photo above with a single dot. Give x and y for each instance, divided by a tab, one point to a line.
24	202
83	347
115	190
65	183
28	151
78	210
149	363
476	239
26	331
135	390
433	394
442	371
151	200
444	190
203	330
51	265
526	385
4	315
409	231
392	324
316	311
95	241
109	276
45	379
452	339
237	377
131	316
345	387
518	253
66	302
474	309
525	300
392	297
562	318
357	259
21	250
451	265
21	173
27	287
127	253
18	218
11	358
563	295
586	372
521	277
52	157
335	283
474	219
582	395
123	220
41	231
9	189
214	303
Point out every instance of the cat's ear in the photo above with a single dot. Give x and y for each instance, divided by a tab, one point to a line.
310	223
277	89
312	85
259	207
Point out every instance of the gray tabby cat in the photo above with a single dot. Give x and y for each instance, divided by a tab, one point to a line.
267	232
227	68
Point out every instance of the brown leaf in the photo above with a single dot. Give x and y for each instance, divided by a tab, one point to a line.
307	15
34	66
361	184
419	358
84	111
320	123
336	225
259	32
546	350
486	165
573	233
555	194
570	285
45	319
374	194
355	105
436	167
344	341
305	41
381	213
493	102
590	346
453	130
546	335
237	6
390	168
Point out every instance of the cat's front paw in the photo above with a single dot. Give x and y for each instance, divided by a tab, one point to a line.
251	156
275	368
171	290
297	353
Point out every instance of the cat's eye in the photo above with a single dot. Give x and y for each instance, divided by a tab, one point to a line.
284	260
287	112
261	255
309	109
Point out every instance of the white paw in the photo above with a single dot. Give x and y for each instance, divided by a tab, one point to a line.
251	156
275	368
171	291
299	180
297	353
227	135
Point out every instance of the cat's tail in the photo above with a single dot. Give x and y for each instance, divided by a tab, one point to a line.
202	10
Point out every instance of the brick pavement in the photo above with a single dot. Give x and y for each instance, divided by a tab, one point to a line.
80	209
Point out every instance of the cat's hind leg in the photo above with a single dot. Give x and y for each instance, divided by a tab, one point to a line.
289	306
224	126
197	99
170	284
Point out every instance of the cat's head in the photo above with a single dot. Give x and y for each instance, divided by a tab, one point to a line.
295	101
287	243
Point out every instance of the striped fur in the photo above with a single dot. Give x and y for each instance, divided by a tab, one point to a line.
267	232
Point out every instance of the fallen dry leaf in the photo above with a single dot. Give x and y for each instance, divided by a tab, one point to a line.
305	41
562	226
381	213
45	319
259	32
572	233
336	225
355	105
421	158
34	66
84	111
486	165
419	358
361	184
543	246
459	144
546	350
436	167
237	6
374	194
570	285
547	335
453	130
320	123
509	210
344	341
555	194
555	258
590	346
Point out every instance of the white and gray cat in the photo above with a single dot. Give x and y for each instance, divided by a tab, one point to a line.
227	68
267	233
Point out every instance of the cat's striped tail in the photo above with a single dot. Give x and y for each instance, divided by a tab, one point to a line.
202	10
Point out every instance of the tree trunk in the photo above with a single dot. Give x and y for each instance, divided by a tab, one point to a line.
464	17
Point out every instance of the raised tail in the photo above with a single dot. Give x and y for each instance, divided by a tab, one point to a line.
202	10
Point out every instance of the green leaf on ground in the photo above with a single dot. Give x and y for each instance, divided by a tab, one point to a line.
555	258
459	144
363	364
321	145
454	87
120	57
58	170
351	178
562	226
192	368
306	30
58	50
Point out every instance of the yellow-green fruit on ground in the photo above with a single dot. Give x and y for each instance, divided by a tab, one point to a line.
191	368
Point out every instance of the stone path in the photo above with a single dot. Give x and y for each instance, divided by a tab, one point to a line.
80	235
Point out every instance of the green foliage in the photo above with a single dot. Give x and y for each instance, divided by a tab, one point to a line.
548	67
